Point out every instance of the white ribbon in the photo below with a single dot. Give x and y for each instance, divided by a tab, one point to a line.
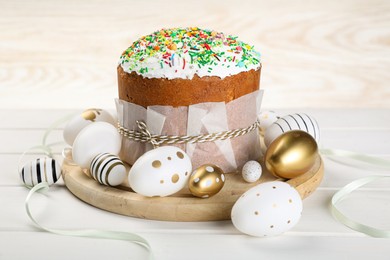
338	155
341	194
44	187
90	233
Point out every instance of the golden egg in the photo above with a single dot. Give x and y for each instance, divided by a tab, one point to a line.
206	181
291	154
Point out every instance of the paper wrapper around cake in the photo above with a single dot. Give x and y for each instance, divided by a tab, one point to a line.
202	118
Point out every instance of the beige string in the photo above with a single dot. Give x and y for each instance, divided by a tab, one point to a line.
144	135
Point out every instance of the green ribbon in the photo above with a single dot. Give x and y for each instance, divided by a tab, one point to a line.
44	187
90	233
341	194
338	155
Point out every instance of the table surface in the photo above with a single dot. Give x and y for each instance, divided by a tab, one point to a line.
317	235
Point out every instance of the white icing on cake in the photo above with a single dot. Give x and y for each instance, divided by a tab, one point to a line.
184	52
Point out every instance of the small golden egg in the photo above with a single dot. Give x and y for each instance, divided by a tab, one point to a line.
291	154
206	181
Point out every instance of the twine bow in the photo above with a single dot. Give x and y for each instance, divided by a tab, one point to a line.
146	133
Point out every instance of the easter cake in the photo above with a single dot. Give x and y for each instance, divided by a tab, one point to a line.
190	82
185	66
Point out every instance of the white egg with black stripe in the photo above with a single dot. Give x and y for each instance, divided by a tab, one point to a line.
43	169
108	169
299	121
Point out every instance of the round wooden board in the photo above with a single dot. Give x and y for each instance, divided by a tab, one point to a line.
181	206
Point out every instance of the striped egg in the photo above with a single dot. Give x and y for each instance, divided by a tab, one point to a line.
43	169
292	122
108	169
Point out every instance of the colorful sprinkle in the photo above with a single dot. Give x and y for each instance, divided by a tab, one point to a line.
194	47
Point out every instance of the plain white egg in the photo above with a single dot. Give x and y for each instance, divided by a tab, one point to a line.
96	138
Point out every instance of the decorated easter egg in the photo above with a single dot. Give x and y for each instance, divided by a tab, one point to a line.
266	119
96	138
160	172
206	181
108	169
268	209
291	154
78	122
251	171
292	122
43	169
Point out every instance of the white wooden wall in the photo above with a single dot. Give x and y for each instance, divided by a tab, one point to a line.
63	53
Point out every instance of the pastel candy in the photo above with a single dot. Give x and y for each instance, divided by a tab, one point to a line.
43	169
108	169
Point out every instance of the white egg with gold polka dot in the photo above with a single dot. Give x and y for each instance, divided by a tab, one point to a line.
78	122
160	172
267	118
268	209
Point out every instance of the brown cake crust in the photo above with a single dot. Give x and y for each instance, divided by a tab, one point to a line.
145	92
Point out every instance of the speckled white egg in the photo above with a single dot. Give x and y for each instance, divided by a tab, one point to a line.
78	122
108	169
267	118
251	171
96	138
160	172
43	169
268	209
292	122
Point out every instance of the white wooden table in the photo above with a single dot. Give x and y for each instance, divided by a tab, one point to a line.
60	54
316	236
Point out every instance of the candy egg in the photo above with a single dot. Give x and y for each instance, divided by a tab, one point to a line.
160	172
96	138
292	122
108	169
251	171
267	209
43	169
89	116
291	154
266	119
206	181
